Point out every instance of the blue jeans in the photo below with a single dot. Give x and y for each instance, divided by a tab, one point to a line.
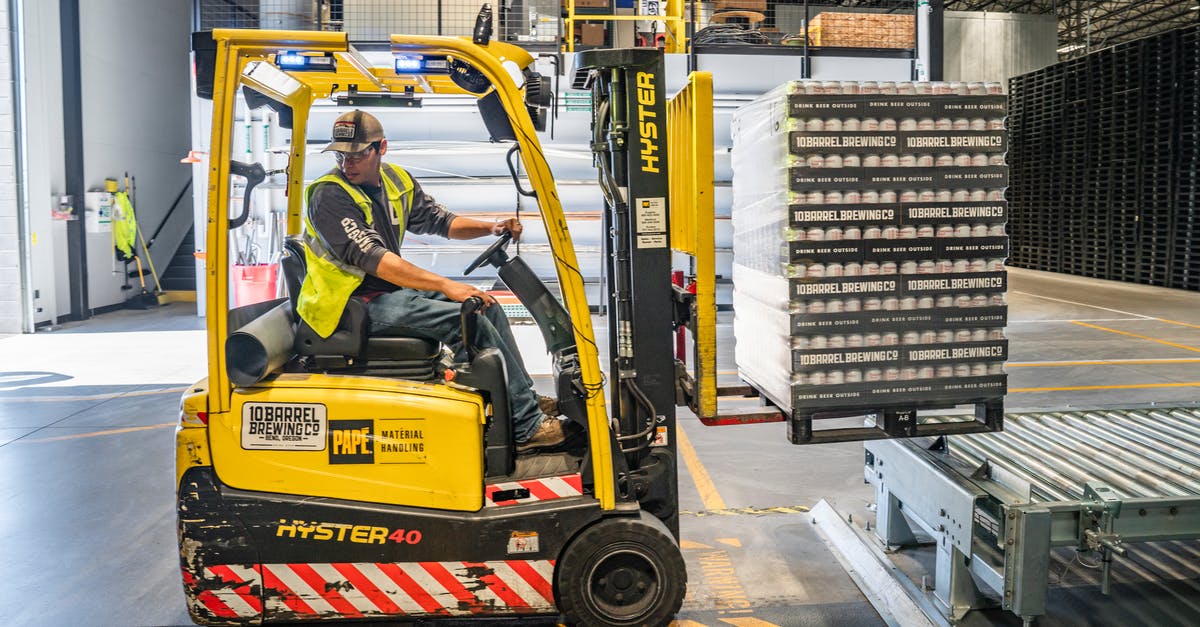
432	316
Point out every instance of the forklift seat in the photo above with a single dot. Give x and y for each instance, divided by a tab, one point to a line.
407	357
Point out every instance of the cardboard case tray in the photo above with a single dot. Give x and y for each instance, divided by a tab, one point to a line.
895	106
804	178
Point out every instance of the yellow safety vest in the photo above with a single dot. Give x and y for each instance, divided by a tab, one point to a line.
124	226
328	282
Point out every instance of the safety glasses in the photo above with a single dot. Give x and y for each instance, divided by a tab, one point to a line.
343	158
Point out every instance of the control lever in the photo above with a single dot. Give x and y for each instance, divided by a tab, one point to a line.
254	174
470	322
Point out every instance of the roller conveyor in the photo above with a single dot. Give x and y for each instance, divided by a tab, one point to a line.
1120	486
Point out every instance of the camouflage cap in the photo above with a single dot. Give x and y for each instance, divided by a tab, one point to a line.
354	131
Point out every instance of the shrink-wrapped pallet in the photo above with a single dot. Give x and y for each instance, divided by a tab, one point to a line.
869	244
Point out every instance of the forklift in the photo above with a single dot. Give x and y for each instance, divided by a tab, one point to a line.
355	477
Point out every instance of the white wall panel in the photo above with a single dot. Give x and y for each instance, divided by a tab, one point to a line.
135	66
11	314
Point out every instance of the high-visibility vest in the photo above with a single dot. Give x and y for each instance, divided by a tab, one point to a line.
328	282
124	231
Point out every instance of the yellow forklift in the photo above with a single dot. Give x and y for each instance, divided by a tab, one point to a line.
356	477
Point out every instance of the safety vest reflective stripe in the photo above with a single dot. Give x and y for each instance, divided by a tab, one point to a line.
328	282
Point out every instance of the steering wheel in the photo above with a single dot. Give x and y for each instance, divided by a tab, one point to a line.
497	246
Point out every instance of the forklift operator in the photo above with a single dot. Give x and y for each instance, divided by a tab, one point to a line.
353	229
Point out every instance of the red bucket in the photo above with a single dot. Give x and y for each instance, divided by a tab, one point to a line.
254	284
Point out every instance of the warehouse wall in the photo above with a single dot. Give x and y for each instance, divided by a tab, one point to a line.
10	271
982	46
135	66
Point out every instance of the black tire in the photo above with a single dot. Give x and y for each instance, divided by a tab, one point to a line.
622	571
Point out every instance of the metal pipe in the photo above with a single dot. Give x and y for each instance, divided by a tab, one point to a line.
1118	436
1179	424
1068	478
1129	456
1162	427
1146	434
1145	482
20	106
1130	481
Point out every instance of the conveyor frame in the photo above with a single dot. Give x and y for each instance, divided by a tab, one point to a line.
993	518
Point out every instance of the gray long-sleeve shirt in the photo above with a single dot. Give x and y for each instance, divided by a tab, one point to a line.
347	235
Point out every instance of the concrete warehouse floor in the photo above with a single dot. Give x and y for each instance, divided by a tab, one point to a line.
87	525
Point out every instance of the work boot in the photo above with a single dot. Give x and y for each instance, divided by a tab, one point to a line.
548	434
548	405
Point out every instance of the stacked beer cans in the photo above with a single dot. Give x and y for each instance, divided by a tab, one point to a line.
869	244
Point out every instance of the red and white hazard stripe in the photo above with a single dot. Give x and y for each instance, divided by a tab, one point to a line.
363	589
545	489
416	588
227	591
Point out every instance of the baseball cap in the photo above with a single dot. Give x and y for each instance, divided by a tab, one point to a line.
354	131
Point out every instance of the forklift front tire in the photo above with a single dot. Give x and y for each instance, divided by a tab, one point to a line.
622	571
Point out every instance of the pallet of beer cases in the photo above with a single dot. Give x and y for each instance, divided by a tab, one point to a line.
869	248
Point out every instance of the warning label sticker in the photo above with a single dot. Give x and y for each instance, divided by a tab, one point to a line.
523	542
651	215
283	426
652	241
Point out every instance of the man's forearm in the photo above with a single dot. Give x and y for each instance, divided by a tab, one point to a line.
470	228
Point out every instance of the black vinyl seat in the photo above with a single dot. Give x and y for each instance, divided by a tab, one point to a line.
350	347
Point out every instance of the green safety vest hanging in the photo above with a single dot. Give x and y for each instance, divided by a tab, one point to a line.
328	282
124	226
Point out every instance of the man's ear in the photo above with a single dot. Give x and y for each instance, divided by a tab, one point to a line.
383	147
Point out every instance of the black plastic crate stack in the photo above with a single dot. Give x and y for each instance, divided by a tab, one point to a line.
869	247
1033	129
1185	264
1103	162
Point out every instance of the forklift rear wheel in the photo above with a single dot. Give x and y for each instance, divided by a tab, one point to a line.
622	571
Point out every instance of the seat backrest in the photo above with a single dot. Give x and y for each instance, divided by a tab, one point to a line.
294	266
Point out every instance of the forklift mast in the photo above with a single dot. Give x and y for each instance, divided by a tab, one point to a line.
629	149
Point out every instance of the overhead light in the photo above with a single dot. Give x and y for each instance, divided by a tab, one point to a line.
1070	48
421	64
301	62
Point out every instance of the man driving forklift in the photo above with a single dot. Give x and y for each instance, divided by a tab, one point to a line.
353	230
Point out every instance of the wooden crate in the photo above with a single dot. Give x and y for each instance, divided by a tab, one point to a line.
862	30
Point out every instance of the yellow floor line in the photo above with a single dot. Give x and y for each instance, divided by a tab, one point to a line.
94	434
1140	337
1182	324
1102	362
747	621
1128	386
708	491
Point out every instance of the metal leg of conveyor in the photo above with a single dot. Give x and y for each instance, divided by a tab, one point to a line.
1027	562
941	504
955	588
890	524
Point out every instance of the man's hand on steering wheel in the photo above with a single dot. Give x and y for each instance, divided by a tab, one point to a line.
508	225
